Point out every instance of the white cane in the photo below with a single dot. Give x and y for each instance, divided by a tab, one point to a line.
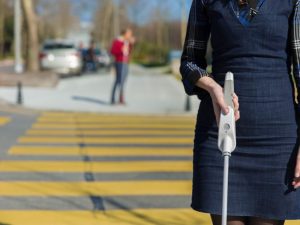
227	138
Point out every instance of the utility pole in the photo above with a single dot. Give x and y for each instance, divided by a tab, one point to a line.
18	37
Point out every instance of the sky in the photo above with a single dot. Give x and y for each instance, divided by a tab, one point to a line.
172	7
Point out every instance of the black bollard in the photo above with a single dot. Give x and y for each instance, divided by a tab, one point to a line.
188	107
19	93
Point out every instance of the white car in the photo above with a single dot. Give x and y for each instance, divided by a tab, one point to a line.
60	56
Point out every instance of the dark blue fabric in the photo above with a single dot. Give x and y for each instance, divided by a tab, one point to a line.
262	167
193	62
242	13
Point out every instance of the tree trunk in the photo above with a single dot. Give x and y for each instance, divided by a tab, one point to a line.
32	32
2	24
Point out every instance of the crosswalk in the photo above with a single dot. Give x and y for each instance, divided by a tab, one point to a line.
4	120
86	169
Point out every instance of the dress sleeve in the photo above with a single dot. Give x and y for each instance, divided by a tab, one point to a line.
193	61
296	51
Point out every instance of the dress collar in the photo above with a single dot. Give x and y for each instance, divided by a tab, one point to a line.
242	13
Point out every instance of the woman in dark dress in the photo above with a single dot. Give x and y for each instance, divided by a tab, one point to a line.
258	41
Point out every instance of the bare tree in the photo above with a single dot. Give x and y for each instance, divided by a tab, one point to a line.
56	18
32	35
156	28
64	18
2	25
104	31
6	23
110	18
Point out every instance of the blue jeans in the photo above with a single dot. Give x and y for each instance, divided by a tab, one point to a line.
121	75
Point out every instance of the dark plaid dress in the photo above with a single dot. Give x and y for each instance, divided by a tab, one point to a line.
260	51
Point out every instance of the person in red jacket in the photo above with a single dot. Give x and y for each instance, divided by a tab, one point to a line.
121	49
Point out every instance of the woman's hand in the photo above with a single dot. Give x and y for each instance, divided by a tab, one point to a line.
296	182
217	95
220	104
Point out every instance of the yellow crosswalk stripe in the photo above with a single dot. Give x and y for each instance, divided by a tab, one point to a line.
102	126
64	128
108	132
98	151
105	115
111	217
114	120
109	188
4	120
106	140
96	167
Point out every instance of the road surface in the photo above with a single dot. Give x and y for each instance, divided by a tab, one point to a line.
61	168
132	167
147	92
80	168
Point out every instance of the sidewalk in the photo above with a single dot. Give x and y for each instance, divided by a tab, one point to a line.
8	77
147	92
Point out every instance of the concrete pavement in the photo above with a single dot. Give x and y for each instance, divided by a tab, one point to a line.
9	78
147	92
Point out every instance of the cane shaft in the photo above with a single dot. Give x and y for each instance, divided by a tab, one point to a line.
225	190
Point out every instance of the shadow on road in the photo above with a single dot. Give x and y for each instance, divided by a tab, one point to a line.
97	201
91	100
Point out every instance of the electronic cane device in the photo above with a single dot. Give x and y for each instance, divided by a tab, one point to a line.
227	138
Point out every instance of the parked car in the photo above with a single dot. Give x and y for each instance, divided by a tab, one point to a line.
104	59
61	56
100	59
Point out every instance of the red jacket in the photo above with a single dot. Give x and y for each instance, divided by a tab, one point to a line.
121	50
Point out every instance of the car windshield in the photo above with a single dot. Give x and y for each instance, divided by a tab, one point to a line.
58	46
97	51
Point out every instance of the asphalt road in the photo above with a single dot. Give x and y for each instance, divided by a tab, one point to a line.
81	168
61	168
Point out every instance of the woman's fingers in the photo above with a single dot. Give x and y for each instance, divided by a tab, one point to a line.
237	115
296	182
236	105
219	104
222	104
